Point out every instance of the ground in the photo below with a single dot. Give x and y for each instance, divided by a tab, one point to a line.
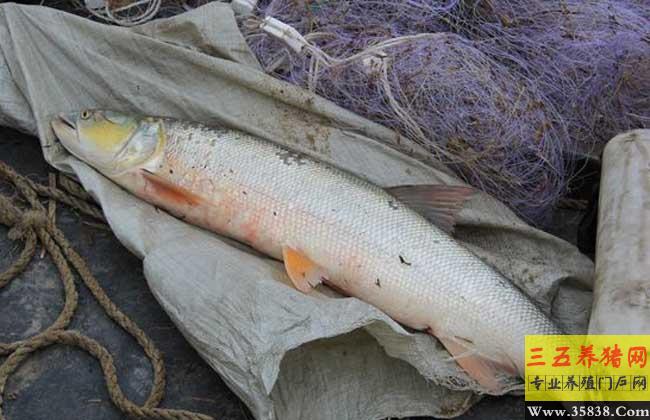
61	382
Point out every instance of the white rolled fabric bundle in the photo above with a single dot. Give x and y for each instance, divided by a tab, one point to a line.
622	288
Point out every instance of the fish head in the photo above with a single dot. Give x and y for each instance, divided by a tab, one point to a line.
110	141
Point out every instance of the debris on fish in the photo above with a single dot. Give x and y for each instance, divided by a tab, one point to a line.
390	248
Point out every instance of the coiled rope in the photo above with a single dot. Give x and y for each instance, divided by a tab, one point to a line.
30	224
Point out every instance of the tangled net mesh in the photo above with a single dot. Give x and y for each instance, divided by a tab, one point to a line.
490	126
591	57
505	92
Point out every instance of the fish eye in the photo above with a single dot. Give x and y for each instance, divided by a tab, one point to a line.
85	115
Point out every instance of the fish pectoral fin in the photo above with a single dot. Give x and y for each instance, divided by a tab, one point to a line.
482	369
439	204
168	191
303	272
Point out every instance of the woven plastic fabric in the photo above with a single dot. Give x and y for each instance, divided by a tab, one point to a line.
287	355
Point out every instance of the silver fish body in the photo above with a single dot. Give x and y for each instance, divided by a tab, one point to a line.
371	245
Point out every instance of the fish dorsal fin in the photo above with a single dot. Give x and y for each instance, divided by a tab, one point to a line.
439	204
482	369
303	272
168	191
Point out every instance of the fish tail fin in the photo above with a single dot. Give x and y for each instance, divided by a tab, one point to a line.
485	371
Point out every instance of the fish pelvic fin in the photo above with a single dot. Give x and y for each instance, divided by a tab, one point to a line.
303	272
483	370
440	204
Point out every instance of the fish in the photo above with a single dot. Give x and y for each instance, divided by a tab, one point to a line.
392	248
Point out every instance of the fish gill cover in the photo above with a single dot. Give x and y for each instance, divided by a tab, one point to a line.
506	92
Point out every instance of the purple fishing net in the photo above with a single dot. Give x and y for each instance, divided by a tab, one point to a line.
503	91
591	58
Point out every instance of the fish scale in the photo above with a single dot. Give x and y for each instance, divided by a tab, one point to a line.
369	244
331	216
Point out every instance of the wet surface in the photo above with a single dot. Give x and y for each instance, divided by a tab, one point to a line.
62	382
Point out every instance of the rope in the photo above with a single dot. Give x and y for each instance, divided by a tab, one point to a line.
32	225
131	14
71	187
69	199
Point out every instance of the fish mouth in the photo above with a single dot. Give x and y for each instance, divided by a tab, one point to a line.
65	128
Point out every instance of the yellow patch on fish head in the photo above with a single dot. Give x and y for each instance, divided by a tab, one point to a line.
110	141
107	131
